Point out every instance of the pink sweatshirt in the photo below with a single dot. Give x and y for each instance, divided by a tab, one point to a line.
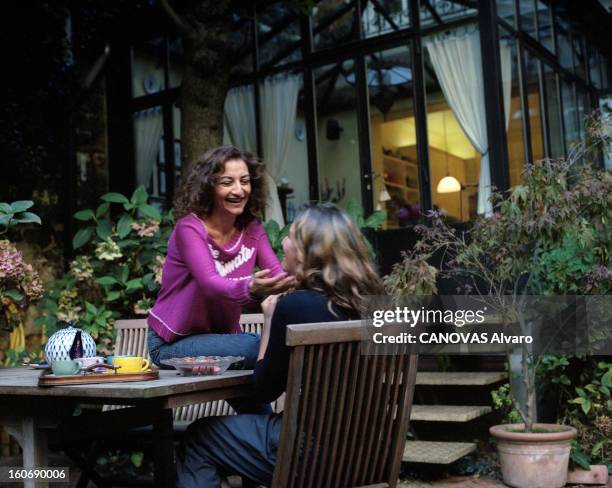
205	285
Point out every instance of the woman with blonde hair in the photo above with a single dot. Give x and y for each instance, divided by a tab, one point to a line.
328	256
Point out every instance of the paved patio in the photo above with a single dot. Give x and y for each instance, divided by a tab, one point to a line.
477	482
456	482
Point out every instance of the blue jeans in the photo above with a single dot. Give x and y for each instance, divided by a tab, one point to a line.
245	344
243	445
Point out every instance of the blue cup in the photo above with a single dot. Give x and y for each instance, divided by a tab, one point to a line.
109	359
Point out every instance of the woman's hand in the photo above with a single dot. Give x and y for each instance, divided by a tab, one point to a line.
260	285
269	305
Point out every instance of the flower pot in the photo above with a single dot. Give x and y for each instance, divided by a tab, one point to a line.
534	459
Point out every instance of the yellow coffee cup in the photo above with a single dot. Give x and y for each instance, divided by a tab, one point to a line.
131	364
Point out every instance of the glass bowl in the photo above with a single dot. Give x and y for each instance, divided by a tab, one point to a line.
202	365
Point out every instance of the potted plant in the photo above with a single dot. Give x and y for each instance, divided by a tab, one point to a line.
548	236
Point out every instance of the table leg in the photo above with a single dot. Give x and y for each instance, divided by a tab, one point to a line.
163	449
34	446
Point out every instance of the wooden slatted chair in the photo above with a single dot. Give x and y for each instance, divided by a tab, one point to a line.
131	339
346	414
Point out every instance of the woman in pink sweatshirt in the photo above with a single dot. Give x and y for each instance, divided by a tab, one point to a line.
208	272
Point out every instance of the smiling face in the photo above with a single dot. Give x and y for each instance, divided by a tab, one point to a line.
232	188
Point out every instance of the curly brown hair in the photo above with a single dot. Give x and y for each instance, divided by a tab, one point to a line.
197	193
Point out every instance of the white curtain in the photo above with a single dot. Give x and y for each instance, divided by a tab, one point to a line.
278	111
148	125
505	56
239	119
457	62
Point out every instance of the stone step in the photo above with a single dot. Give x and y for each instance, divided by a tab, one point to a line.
460	378
436	452
448	413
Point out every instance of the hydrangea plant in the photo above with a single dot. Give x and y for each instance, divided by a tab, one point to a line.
121	249
20	284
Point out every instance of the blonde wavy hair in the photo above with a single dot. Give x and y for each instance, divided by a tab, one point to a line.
332	257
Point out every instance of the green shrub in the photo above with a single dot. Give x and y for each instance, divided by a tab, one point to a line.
20	284
589	407
117	273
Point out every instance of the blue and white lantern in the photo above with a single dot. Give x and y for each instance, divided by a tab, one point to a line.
59	344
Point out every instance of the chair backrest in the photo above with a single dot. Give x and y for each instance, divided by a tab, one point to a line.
346	414
252	322
132	333
131	338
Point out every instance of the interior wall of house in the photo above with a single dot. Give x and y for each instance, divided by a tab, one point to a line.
516	152
296	170
339	159
450	154
147	68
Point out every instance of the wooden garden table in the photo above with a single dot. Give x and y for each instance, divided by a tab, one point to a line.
26	408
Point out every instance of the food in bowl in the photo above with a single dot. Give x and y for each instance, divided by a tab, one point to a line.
202	365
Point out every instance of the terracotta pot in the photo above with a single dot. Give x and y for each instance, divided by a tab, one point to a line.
534	460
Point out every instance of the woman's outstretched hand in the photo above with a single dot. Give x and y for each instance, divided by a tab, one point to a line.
262	286
269	305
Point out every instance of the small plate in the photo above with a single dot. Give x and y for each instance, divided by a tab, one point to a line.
37	365
202	365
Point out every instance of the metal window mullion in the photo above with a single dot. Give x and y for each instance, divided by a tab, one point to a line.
363	129
420	109
544	110
524	102
493	95
256	93
570	37
536	21
576	116
310	109
561	113
604	72
168	123
166	55
585	56
517	16
168	152
551	15
359	17
557	38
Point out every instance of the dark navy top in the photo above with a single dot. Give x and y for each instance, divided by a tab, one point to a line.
299	307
